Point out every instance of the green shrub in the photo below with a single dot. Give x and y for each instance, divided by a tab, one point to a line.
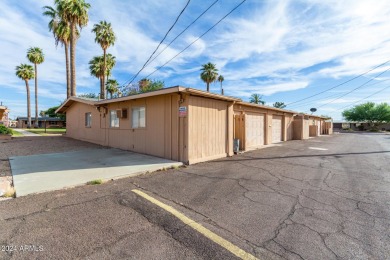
95	182
5	131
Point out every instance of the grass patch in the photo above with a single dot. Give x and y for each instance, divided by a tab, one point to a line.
95	182
16	133
41	131
10	193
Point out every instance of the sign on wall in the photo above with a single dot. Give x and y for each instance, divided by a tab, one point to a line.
182	111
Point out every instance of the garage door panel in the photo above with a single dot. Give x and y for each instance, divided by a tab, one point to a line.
276	129
254	130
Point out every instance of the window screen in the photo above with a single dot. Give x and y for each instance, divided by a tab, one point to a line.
88	119
114	120
138	117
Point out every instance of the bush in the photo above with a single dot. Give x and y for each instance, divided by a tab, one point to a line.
5	131
95	182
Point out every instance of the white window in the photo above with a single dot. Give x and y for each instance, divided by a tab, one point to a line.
114	119
88	119
138	117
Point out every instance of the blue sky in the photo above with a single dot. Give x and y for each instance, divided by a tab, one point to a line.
284	50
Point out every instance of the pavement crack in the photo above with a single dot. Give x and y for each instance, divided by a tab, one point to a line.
46	209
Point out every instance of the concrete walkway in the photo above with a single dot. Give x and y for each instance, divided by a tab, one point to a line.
46	172
24	132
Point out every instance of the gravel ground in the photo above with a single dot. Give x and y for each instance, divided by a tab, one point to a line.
21	146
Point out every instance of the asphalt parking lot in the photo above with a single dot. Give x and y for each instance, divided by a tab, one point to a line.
324	198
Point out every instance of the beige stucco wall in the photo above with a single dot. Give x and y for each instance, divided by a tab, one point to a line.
301	128
159	137
210	129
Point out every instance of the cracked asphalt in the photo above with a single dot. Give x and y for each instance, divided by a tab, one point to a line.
282	202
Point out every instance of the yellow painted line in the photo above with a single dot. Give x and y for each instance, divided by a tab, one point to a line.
198	227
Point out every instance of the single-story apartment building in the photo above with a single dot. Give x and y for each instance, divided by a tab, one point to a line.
49	122
177	123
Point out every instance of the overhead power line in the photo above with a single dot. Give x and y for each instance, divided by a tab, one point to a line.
355	88
212	27
185	29
158	46
341	84
333	95
373	94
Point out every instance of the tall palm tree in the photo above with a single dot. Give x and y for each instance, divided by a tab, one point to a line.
61	33
96	69
105	36
110	63
112	86
256	99
35	55
74	13
221	79
209	74
26	72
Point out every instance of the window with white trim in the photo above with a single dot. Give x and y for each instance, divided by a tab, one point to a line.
138	117
88	119
114	119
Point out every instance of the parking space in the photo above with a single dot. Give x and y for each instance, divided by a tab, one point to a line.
46	172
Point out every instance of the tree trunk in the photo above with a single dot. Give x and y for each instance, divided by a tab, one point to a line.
101	87
73	40
36	125
28	105
104	73
68	89
208	86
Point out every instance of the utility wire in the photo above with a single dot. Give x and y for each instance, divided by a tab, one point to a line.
169	44
343	83
197	39
333	95
165	36
373	94
355	88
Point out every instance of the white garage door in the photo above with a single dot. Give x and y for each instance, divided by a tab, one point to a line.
276	129
254	130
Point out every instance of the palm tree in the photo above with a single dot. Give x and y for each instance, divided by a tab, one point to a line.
36	56
221	79
143	84
112	86
96	69
256	99
26	72
110	63
105	36
74	13
61	33
279	105
209	74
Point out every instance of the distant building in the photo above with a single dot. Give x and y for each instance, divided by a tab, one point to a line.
4	112
50	122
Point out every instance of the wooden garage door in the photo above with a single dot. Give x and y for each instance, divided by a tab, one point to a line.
276	129
254	130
